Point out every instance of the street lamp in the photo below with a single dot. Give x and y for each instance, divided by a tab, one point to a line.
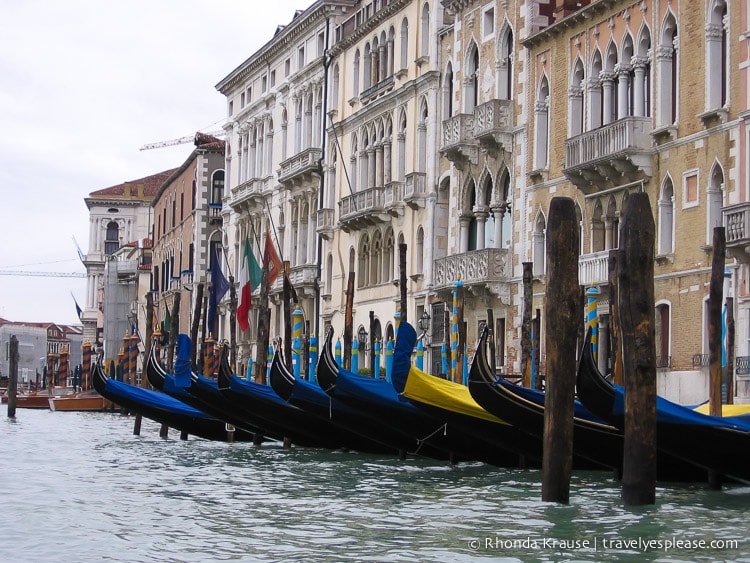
424	325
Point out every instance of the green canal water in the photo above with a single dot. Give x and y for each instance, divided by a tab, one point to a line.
81	487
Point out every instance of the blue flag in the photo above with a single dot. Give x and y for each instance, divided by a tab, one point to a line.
182	371
219	288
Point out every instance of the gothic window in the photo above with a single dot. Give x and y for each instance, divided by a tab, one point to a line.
448	91
336	86
717	55
388	257
667	72
539	245
422	138
355	77
425	47
666	217
642	75
471	80
541	122
505	64
609	86
419	254
594	92
715	196
575	100
364	261
404	44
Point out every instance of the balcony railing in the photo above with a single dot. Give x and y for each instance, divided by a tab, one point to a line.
415	189
476	266
737	223
493	123
458	130
393	197
593	269
304	275
620	151
253	188
300	166
366	207
325	222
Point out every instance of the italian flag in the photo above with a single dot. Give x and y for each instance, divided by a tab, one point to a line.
250	274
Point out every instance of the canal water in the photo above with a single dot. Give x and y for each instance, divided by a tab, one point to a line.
81	487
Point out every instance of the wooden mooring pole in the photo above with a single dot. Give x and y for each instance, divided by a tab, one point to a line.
635	275
563	311
715	299
528	296
12	375
349	322
402	279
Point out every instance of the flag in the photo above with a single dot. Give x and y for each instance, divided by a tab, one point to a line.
271	261
219	288
79	311
250	274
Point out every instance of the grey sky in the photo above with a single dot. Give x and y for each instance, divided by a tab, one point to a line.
85	84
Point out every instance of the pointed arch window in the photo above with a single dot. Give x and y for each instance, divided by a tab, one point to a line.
471	80
404	39
717	56
715	195
419	255
424	50
505	64
539	245
575	100
448	91
541	125
666	60
666	218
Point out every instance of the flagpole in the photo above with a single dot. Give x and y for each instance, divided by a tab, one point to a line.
232	313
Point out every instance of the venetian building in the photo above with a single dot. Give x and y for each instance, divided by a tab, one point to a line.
187	227
275	129
382	168
483	102
640	96
118	215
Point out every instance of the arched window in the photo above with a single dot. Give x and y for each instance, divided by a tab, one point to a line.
609	90
401	141
422	138
448	91
594	92
364	261
666	218
388	257
505	64
424	50
375	258
217	186
541	122
284	138
625	95
666	60
367	76
269	147
353	164
404	39
597	228
355	77
471	82
539	245
112	238
642	75
419	256
717	56
715	194
470	220
575	100
662	331
336	86
329	274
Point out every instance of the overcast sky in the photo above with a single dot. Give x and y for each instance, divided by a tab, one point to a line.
85	84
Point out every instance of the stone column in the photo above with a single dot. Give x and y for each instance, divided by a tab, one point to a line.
480	213
607	79
623	87
387	160
463	237
639	86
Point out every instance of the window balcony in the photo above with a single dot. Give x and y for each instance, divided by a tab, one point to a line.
737	223
478	269
377	90
250	191
458	143
415	189
394	198
493	124
301	168
609	156
363	208
325	223
214	212
304	279
593	268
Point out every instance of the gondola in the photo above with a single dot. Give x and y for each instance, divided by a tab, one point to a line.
719	444
163	409
368	433
379	399
593	438
453	404
261	405
211	402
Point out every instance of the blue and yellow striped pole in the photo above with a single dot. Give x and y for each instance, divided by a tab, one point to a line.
396	322
389	360
466	367
269	361
313	359
355	355
338	352
376	367
454	331
444	359
420	355
592	320
297	316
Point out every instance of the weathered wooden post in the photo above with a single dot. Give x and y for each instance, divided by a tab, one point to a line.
536	350
264	317
730	350
12	375
715	299
287	289
173	330
528	297
491	338
195	326
402	278
614	320
349	321
635	271
562	310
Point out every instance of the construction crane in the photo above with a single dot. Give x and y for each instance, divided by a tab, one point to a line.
43	274
180	141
